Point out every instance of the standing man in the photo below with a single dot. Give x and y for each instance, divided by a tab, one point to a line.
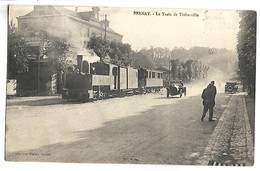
208	96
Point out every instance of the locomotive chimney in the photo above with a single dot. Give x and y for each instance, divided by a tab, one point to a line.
79	62
76	9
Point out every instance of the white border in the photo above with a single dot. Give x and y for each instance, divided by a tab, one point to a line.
201	4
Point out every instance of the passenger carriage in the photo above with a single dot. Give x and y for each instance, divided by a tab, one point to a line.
151	80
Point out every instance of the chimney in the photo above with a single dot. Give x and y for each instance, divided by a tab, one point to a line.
36	7
95	11
76	9
79	62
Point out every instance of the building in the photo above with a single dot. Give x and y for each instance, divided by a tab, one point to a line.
76	27
56	21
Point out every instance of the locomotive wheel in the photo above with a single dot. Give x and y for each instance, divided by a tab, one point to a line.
101	95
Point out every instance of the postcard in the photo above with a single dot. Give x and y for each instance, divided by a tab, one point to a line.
163	86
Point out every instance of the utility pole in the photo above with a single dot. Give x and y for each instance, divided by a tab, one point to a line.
169	68
105	27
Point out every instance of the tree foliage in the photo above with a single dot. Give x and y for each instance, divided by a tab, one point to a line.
223	60
17	53
99	45
58	54
246	49
55	52
141	60
119	53
188	70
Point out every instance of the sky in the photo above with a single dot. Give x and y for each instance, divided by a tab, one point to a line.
207	28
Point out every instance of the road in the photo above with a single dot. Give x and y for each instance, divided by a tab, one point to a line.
146	129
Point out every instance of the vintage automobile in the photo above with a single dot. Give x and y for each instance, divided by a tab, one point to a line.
231	87
175	89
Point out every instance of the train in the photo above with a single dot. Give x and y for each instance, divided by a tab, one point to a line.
101	80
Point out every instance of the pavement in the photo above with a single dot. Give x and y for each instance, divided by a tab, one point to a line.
231	143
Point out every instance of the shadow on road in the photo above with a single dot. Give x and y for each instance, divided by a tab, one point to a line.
41	102
174	97
165	134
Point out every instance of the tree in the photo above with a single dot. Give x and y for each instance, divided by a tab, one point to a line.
54	51
54	54
99	45
57	54
119	53
141	60
181	71
174	71
246	49
17	53
188	69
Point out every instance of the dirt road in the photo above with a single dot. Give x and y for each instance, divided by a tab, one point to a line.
147	129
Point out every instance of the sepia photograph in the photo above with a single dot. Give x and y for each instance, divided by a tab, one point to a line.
130	85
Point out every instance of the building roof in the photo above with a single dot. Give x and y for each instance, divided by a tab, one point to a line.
161	68
49	10
86	15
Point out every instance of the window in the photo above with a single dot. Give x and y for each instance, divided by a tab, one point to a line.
153	74
149	76
114	71
99	68
24	26
34	51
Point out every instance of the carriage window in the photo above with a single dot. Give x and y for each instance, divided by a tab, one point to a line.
149	75
114	71
153	74
99	69
159	75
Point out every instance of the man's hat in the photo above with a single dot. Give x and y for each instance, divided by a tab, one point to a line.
212	82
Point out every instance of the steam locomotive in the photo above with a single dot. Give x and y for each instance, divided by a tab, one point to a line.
100	80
